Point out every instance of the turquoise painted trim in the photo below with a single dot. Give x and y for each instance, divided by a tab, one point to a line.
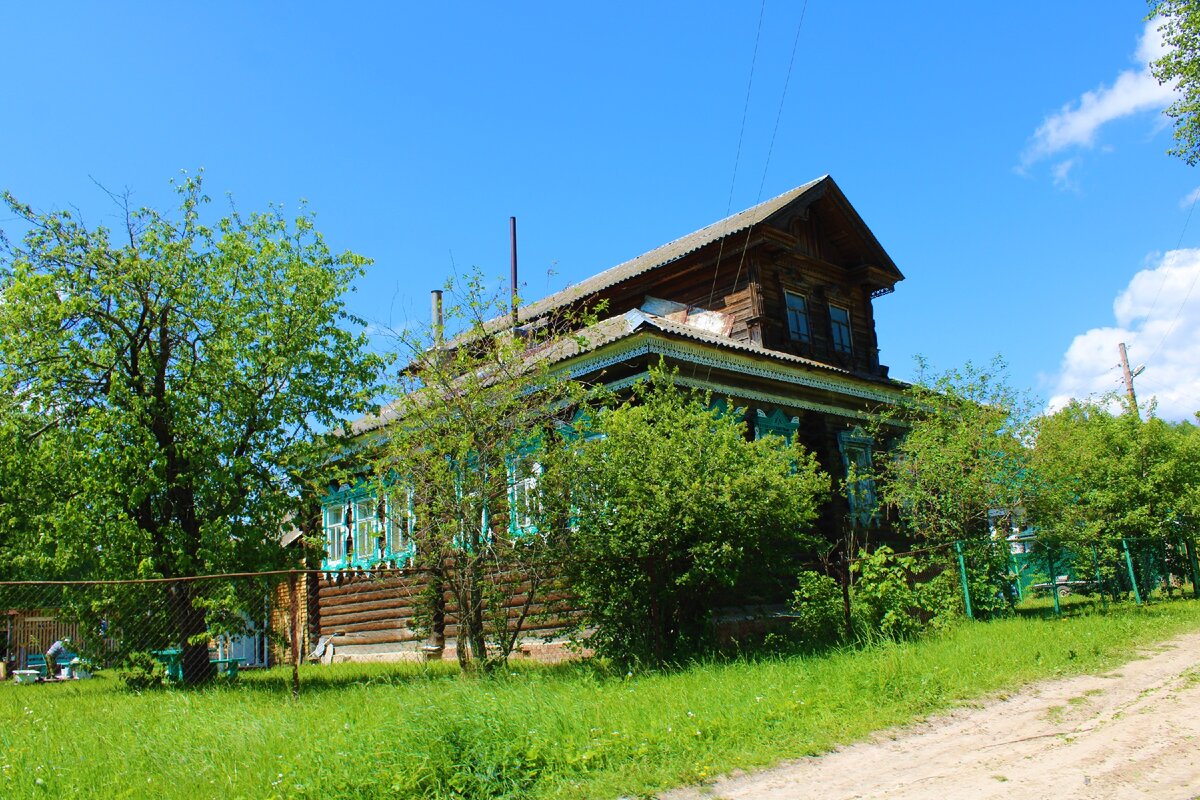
775	422
769	398
371	556
701	355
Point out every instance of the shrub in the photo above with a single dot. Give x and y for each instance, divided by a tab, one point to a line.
817	610
892	603
141	671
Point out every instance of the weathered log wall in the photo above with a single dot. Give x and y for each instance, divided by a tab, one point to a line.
374	616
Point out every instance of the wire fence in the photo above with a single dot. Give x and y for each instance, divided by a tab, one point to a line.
1028	572
194	630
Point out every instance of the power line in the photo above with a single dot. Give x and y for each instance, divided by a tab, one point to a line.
771	147
1175	321
762	10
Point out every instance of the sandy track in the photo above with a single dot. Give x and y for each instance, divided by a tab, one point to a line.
1131	733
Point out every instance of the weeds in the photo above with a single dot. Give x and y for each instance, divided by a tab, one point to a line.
570	731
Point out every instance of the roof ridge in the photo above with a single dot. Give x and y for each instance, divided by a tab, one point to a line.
670	251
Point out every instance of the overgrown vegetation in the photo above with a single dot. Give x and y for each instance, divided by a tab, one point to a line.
166	389
407	731
670	506
474	425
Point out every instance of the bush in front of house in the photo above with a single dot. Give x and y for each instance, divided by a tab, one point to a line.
671	505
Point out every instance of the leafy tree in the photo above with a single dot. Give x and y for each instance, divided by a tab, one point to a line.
1106	476
1179	22
672	505
181	379
963	453
962	460
468	440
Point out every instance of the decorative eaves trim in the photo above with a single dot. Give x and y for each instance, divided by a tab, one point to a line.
725	390
646	343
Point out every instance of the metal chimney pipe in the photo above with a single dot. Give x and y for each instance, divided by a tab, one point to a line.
512	233
435	299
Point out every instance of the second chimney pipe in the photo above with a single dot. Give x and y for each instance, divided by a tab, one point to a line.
435	300
512	234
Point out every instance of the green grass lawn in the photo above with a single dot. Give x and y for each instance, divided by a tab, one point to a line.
542	732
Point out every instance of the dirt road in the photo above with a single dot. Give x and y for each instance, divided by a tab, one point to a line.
1131	733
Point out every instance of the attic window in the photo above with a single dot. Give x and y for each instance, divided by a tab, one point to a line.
797	317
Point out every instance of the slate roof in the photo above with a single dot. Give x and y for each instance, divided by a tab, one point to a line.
669	252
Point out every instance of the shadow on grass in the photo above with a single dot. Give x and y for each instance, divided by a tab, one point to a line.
317	678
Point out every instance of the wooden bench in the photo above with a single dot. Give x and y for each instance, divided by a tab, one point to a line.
172	659
38	661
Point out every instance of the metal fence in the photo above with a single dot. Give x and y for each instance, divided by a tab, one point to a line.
217	626
1025	568
195	628
210	627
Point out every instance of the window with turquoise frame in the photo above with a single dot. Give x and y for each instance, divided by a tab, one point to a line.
362	530
333	522
401	522
524	502
774	422
856	449
366	530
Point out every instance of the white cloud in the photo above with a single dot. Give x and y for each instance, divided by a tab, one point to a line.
1190	199
1158	318
1062	174
1133	91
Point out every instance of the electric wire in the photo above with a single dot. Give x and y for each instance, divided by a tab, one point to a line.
766	164
737	154
1187	295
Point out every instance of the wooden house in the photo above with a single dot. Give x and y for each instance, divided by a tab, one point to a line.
772	307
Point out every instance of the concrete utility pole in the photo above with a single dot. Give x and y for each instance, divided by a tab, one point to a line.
1129	376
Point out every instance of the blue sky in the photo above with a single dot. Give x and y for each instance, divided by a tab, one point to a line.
1010	157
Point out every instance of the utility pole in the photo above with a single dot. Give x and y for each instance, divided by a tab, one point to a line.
1129	376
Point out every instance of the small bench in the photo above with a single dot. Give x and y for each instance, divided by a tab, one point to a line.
172	659
228	667
38	661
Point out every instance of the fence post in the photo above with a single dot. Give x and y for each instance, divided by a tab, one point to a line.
1053	581
294	632
962	574
1099	580
1137	595
1190	546
1016	570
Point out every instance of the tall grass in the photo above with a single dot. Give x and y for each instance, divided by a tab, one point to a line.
542	732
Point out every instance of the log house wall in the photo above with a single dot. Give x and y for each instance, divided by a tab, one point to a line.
375	617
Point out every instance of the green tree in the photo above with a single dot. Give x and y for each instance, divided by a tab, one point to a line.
671	505
962	454
960	469
182	379
468	440
1179	22
1105	477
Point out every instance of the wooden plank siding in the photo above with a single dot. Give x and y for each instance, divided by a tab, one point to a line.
375	617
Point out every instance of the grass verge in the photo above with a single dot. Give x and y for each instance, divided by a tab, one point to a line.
561	732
